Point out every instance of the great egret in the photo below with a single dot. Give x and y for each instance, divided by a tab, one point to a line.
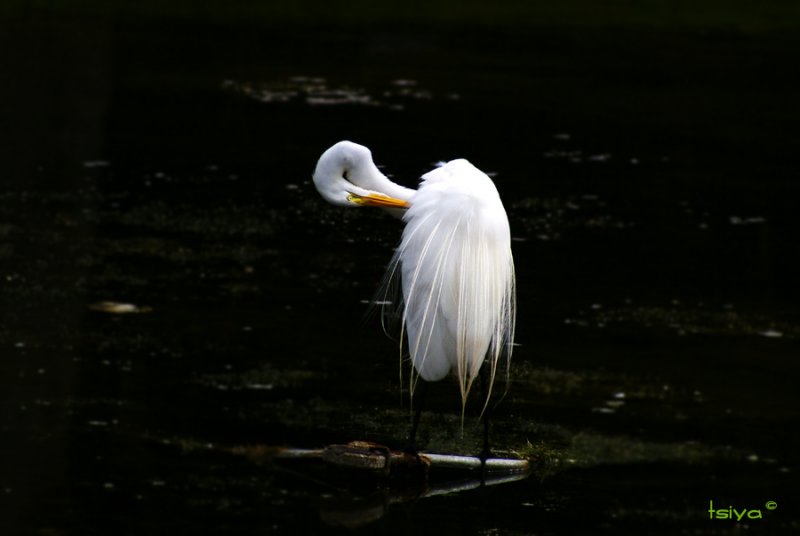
457	272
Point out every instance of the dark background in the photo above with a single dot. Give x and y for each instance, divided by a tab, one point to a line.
159	155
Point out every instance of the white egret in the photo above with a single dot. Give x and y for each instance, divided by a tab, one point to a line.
457	272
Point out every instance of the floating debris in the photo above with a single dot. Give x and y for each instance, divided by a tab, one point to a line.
316	91
118	308
376	302
686	321
95	164
402	82
736	220
260	386
99	424
771	333
573	156
372	456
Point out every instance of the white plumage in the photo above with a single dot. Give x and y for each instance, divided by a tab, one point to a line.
455	261
457	275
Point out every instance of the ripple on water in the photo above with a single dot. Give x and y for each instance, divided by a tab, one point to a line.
683	321
318	91
550	218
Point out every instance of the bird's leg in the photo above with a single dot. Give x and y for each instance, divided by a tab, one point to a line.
412	436
486	453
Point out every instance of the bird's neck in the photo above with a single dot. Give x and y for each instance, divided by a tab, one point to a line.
371	178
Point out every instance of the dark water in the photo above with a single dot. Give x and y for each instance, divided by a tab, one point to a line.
650	176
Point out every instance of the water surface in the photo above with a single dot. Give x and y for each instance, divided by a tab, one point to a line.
164	166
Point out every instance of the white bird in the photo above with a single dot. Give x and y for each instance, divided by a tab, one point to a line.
455	262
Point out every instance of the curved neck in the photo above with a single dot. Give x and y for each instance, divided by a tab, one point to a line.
367	175
348	168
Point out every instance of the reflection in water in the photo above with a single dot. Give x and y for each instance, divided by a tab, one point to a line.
360	507
363	480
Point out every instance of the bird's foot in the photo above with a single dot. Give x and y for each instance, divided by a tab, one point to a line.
411	451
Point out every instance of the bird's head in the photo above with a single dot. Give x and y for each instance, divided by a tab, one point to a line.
345	174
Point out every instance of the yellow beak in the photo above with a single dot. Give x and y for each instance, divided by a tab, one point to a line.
378	200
